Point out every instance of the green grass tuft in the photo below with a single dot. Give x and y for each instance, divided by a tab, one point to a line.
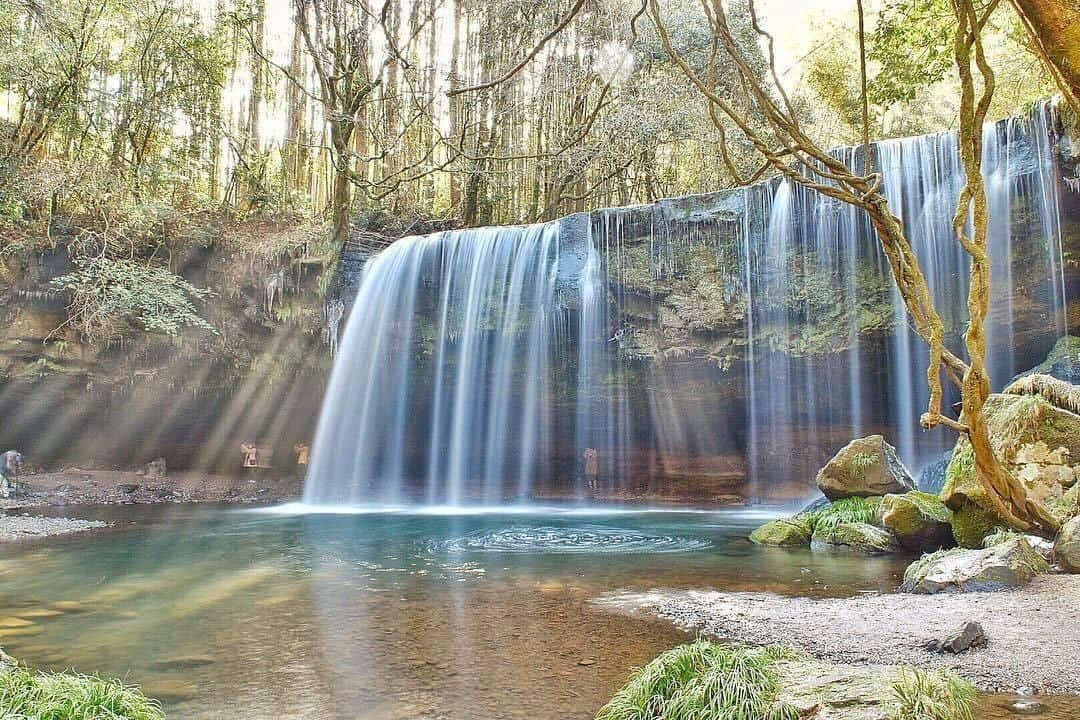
36	695
932	695
847	510
862	462
704	680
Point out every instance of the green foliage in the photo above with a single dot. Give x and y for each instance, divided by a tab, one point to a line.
912	44
846	510
704	680
31	694
932	695
106	295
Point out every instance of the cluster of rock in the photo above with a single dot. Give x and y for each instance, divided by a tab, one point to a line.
874	507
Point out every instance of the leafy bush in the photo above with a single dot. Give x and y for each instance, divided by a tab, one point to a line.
704	680
26	693
106	294
932	695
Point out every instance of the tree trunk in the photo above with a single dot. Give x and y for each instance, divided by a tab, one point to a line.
342	194
1054	26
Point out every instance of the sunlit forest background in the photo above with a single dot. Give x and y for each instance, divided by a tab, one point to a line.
131	117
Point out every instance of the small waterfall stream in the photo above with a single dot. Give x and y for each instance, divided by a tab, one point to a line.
743	336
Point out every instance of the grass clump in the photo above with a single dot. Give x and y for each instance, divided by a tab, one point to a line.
26	693
862	462
932	695
703	680
847	510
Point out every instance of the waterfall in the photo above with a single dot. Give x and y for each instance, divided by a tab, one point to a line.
729	342
470	420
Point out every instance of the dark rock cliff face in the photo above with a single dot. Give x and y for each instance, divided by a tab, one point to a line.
192	399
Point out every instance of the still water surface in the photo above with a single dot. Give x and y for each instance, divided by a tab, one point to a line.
225	613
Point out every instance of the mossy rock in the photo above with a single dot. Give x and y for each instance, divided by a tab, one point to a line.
1014	422
971	524
859	537
865	467
1008	564
920	521
783	533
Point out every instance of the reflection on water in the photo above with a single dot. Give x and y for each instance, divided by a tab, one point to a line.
228	614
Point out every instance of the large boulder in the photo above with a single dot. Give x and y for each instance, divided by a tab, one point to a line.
1037	440
1067	546
920	521
865	467
859	537
1009	564
783	533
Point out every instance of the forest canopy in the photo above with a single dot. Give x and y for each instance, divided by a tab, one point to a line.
138	115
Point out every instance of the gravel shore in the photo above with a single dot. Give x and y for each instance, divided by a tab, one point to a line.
1034	633
24	527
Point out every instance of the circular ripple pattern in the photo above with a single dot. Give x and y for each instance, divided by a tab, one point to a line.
589	539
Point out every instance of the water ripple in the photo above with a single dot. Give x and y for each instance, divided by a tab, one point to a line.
587	539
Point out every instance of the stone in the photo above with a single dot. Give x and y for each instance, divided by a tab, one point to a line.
1034	438
1067	546
127	488
967	636
782	533
1009	564
920	521
860	537
865	467
932	477
828	691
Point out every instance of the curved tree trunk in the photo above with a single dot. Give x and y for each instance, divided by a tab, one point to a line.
1054	26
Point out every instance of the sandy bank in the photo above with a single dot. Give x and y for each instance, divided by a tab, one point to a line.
1034	633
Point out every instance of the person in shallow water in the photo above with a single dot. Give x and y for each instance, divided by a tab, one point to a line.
11	464
302	451
250	454
592	467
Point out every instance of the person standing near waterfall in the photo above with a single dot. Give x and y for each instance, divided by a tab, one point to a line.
592	467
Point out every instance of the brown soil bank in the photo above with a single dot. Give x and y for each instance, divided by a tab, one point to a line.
1034	633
